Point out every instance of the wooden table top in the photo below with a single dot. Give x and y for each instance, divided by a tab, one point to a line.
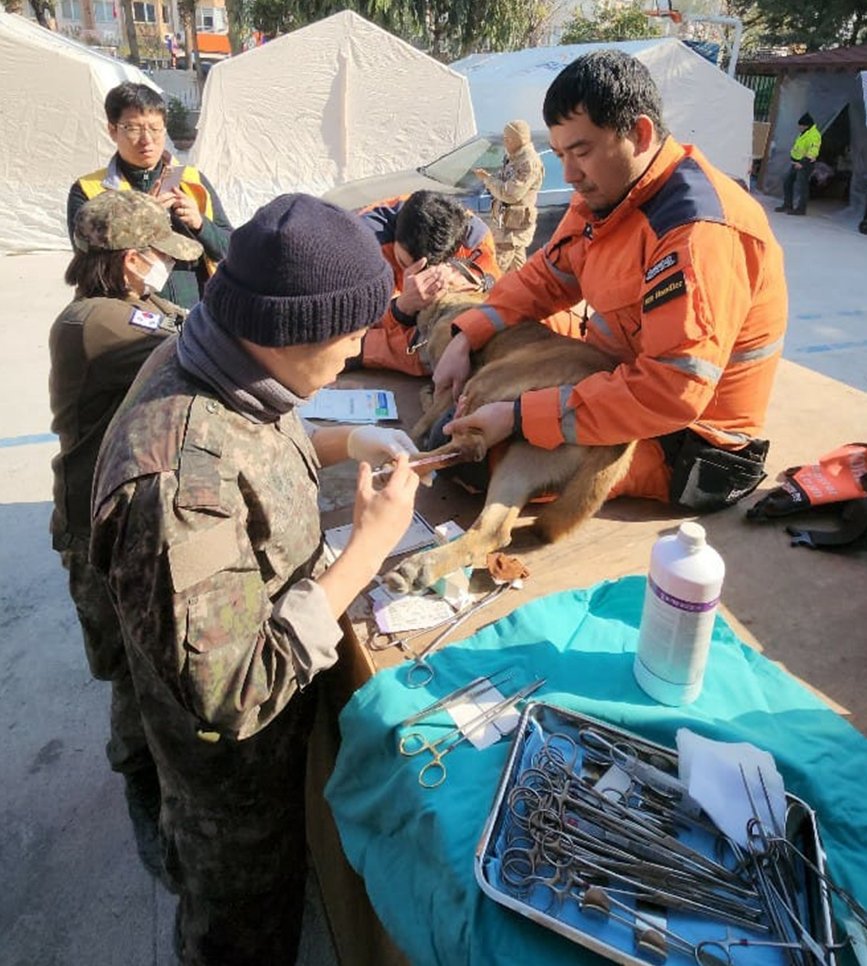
804	609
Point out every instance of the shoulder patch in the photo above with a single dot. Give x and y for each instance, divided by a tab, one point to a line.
669	288
666	262
145	320
204	554
686	197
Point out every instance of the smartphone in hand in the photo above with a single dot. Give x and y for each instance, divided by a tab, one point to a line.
171	179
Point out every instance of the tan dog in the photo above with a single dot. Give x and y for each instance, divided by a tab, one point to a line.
514	361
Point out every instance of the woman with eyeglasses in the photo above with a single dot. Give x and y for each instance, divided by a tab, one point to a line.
124	252
136	117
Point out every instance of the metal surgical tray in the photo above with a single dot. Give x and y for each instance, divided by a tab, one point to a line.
615	933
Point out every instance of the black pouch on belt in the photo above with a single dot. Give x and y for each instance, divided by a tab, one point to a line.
706	478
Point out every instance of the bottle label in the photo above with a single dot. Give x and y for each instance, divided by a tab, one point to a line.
688	605
674	636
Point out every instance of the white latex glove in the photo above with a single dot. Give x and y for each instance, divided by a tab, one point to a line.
376	445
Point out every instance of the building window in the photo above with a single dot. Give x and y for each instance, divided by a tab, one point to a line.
165	14
70	9
103	11
211	19
144	13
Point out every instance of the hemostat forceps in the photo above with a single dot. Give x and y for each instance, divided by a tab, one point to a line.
420	672
433	773
476	686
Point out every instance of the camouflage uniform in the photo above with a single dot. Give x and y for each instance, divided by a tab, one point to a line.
202	520
513	213
97	346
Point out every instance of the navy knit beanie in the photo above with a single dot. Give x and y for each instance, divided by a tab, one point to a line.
300	271
806	119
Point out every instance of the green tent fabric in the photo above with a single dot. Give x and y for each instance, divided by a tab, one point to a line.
414	847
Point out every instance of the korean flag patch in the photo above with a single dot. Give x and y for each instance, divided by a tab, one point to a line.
145	320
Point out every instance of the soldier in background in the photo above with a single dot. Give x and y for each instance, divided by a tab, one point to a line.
206	524
124	252
514	189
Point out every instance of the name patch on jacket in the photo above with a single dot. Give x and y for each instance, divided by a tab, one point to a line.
666	262
666	290
145	320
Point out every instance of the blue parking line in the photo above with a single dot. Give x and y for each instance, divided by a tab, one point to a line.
831	347
27	440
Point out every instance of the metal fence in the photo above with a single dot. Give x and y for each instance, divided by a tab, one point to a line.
762	85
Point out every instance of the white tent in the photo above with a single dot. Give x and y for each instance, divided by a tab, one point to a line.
337	100
53	127
701	104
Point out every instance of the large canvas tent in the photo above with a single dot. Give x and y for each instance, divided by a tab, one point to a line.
702	105
337	100
830	85
53	123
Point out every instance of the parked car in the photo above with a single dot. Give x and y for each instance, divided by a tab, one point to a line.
453	174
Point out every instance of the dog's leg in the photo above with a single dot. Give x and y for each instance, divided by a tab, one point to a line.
514	481
600	468
436	407
491	530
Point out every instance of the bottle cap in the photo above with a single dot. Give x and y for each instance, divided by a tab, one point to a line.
692	534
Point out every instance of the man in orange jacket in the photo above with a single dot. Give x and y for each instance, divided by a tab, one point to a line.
686	280
422	236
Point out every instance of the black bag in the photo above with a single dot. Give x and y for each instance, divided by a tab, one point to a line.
705	477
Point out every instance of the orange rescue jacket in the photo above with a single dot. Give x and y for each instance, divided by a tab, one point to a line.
686	280
389	344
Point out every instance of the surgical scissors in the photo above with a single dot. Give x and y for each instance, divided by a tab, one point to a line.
421	672
602	750
711	952
433	773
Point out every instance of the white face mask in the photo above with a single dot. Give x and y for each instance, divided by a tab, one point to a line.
158	274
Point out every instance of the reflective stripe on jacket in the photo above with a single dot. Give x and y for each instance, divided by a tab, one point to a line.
388	345
807	145
686	280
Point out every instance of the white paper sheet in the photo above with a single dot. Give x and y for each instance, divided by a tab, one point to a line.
351	405
464	712
395	614
718	774
418	534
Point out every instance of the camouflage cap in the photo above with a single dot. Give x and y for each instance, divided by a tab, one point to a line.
117	220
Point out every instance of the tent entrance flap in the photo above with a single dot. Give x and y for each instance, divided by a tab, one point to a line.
833	173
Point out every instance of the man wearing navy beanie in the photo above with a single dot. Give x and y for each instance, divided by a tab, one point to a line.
206	524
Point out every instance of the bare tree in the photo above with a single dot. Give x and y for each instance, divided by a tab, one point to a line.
44	11
131	35
187	9
236	16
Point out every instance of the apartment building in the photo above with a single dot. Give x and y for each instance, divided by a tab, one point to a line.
100	23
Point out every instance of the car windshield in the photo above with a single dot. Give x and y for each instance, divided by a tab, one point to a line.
456	167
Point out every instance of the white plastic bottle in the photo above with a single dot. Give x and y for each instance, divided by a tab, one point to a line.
680	603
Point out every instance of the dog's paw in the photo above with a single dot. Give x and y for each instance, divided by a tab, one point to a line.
411	576
471	446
